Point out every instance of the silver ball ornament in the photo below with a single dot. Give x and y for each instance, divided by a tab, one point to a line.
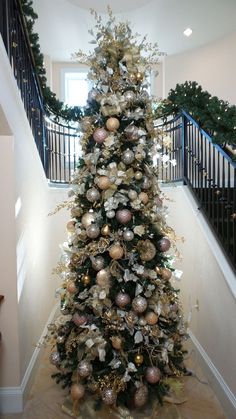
128	235
132	194
93	231
109	396
127	156
123	216
139	304
93	195
129	96
110	214
84	369
122	299
153	375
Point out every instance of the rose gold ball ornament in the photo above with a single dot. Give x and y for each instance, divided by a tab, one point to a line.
84	369
71	287
103	277
87	219
71	226
93	195
105	230
93	231
138	175
138	359
116	342
153	375
86	279
79	319
141	396
112	124
77	392
139	304
109	396
103	182
165	273
116	251
143	196
122	299
151	318
132	194
123	216
147	250
132	132
164	244
55	358
99	135
98	262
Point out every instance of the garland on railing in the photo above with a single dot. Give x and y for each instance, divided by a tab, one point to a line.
55	106
214	115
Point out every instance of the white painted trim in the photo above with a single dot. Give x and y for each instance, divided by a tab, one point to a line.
221	389
12	398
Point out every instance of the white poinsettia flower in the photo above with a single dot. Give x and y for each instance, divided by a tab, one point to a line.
173	162
165	158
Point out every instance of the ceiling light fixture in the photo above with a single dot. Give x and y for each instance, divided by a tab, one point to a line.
188	32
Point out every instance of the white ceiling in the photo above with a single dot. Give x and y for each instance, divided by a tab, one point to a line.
63	24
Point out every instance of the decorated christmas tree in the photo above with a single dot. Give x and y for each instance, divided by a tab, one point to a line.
119	336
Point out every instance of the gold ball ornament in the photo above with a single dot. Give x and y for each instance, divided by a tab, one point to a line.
103	277
138	359
165	273
139	77
138	175
77	392
105	230
151	318
71	287
87	219
147	250
112	124
116	251
71	226
116	342
143	196
103	182
86	279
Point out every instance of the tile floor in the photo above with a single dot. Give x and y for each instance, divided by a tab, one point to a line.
198	401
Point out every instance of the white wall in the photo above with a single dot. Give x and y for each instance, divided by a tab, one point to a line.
29	238
212	66
208	282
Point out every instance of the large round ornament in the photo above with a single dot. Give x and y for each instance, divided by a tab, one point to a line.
77	392
165	273
164	244
98	262
132	132
116	251
110	214
129	96
128	235
132	194
84	369
147	250
153	375
141	396
151	318
109	396
138	175
103	277
127	156
99	135
123	216
143	196
79	319
112	124
93	231
139	304
55	358
87	219
122	299
71	226
93	195
103	182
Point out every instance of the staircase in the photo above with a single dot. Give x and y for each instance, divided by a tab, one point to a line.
205	167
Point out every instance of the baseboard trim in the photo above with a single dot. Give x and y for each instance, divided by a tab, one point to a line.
218	384
12	398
